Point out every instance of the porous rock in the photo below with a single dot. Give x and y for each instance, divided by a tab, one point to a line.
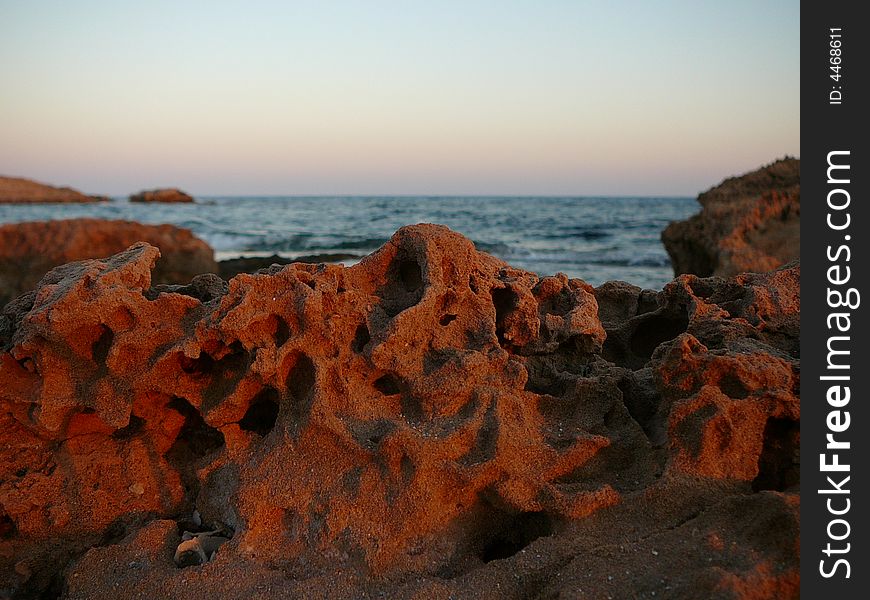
746	223
429	423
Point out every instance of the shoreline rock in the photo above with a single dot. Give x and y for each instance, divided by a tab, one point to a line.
29	250
749	223
427	423
18	190
161	195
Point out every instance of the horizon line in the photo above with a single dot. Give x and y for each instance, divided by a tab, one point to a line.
397	196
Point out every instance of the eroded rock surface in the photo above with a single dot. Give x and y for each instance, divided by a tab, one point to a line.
29	250
746	223
429	423
161	195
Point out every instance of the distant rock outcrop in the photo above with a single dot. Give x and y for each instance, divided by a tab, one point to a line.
250	264
29	250
428	423
749	223
16	190
161	195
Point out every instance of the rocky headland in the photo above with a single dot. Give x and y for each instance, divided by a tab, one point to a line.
29	250
17	190
428	423
749	223
161	195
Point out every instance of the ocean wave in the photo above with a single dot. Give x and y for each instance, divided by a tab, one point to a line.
641	261
353	244
497	248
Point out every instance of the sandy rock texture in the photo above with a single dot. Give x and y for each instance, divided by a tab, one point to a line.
161	195
29	250
17	190
429	423
747	223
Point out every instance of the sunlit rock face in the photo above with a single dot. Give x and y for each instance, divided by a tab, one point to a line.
749	223
427	423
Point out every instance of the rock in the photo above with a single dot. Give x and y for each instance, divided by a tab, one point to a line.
252	264
428	423
15	190
161	195
747	223
29	250
198	548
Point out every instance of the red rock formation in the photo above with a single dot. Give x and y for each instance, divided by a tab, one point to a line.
161	195
16	190
29	250
747	223
428	423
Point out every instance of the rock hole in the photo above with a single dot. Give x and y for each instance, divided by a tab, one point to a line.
301	380
411	275
655	330
641	399
387	385
505	301
134	427
195	441
114	533
733	387
702	288
779	463
228	372
196	366
196	438
361	338
516	533
446	320
100	349
262	413
8	529
403	287
282	331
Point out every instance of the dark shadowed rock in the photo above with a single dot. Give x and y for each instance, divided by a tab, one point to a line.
161	195
252	264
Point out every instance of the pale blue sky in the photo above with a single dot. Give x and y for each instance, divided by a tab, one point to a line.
376	97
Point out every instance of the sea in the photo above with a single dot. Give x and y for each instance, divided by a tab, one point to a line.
592	238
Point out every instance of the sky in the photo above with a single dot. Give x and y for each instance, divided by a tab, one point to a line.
546	97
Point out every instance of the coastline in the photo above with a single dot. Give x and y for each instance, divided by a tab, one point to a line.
430	420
